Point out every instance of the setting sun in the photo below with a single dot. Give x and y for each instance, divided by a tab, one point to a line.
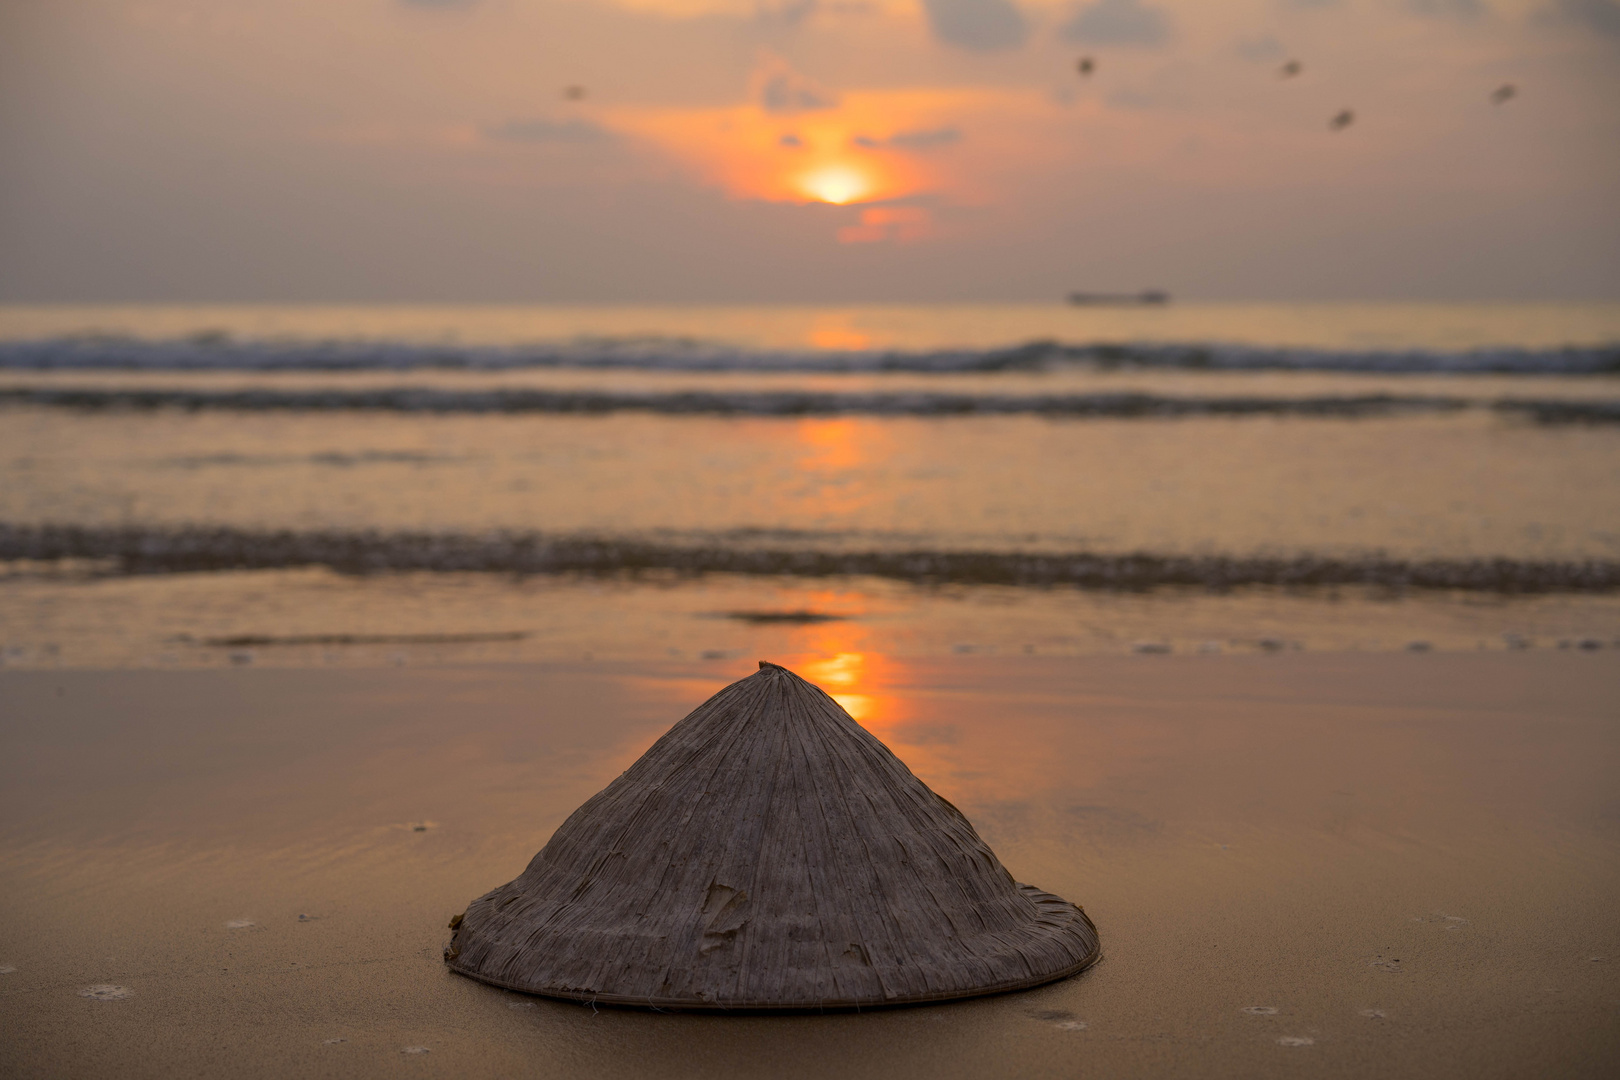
837	184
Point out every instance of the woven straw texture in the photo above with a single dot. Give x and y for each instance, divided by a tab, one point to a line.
768	853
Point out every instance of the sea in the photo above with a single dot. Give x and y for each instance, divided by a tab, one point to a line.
186	486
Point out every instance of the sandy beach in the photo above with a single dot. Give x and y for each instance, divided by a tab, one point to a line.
1301	865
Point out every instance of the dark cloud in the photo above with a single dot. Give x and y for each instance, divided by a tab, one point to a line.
922	139
1118	22
1599	16
925	140
977	25
790	140
785	91
1462	10
1260	48
784	12
549	131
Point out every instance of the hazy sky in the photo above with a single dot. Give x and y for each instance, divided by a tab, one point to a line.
806	150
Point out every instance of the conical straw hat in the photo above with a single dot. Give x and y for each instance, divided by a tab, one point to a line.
768	853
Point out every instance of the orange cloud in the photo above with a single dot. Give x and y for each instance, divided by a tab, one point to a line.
798	142
878	223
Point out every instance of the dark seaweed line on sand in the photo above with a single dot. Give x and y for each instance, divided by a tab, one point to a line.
789	403
267	640
136	550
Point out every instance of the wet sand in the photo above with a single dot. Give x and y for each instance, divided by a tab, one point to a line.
1300	864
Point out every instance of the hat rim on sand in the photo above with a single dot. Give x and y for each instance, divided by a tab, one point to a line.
1076	915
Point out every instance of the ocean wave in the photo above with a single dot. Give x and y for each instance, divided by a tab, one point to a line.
159	550
794	403
218	352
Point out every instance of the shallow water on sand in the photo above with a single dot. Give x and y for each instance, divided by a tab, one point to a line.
665	465
1465	486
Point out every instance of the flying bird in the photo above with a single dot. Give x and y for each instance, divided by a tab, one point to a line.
573	93
1342	121
1085	66
1290	69
1505	92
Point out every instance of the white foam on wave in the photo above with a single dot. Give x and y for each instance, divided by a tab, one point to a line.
208	353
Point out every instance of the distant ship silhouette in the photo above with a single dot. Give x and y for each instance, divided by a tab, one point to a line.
1146	296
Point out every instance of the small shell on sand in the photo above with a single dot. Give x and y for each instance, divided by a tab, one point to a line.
1260	1010
7	969
332	1042
107	992
1374	1014
1062	1019
240	924
415	1050
1296	1040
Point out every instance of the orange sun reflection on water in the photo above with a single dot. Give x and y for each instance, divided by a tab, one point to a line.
836	657
839	337
830	445
841	674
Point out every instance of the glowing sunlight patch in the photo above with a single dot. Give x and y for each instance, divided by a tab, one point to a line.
854	152
842	671
859	706
836	184
839	337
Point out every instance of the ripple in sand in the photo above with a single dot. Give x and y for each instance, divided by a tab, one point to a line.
520	1004
1260	1010
1296	1040
107	992
415	1050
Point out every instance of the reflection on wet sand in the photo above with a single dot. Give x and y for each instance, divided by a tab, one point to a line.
972	756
